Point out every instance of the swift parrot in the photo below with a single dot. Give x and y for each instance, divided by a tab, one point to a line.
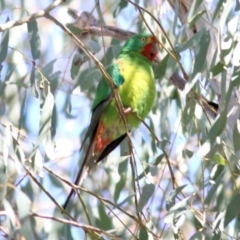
133	75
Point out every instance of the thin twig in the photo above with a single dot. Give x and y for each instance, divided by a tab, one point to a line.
87	228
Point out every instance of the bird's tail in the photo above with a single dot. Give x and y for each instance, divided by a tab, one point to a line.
88	162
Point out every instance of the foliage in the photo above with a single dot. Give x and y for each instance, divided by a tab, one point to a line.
182	180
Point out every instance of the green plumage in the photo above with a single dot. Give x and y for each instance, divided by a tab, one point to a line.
134	76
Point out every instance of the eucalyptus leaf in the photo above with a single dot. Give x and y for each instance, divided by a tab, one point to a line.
34	39
170	200
4	44
76	61
75	30
233	209
147	192
45	121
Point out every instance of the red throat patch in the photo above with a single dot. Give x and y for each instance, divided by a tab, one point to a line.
149	51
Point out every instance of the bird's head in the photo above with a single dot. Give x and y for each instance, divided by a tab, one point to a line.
145	44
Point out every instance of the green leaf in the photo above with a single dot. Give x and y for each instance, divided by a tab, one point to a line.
4	44
105	221
176	215
147	192
122	4
122	171
233	209
94	46
218	159
193	10
218	127
55	181
6	142
143	235
217	69
236	136
48	68
23	204
10	70
37	163
218	8
214	188
10	212
175	22
226	10
18	150
34	87
119	187
116	49
159	71
163	144
90	78
126	200
201	54
217	169
188	153
148	168
34	39
45	121
75	30
195	18
170	200
75	65
237	7
193	41
218	226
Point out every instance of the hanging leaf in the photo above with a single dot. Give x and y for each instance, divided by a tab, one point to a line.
233	209
75	30
34	39
218	159
200	60
170	200
147	192
4	45
104	221
218	226
213	190
143	235
76	63
193	11
34	87
236	136
176	214
45	121
122	4
150	167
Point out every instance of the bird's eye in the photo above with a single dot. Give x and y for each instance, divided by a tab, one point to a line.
143	39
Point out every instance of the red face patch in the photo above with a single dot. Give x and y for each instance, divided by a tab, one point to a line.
150	51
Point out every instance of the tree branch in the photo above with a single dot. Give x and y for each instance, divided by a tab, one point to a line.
31	17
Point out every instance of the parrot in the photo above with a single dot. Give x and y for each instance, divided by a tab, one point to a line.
133	76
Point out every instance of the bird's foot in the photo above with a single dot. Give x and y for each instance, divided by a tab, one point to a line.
128	110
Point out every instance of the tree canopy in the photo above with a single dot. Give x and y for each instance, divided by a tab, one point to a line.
175	177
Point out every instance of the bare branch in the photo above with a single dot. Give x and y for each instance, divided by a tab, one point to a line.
31	17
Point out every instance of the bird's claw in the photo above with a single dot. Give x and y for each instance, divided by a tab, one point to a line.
127	110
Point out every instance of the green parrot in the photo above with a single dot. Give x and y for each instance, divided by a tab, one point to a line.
133	75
